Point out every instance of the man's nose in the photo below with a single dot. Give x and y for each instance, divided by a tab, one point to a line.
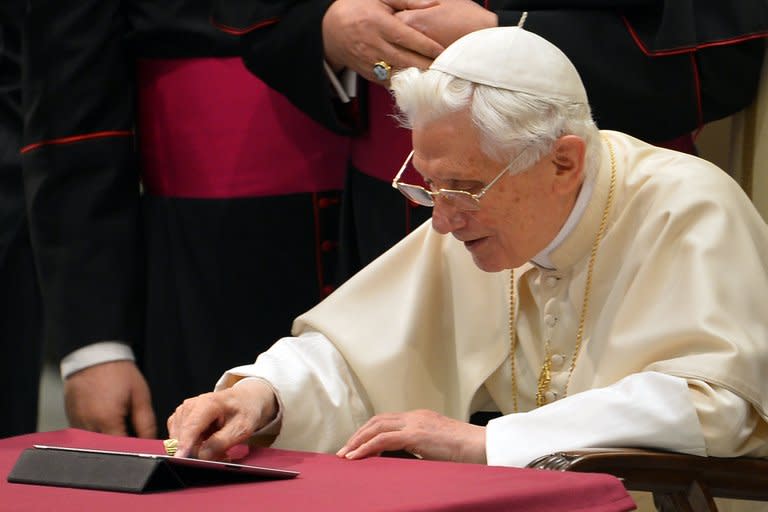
446	217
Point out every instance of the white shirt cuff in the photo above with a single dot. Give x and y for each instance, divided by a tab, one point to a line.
349	79
93	354
346	88
340	92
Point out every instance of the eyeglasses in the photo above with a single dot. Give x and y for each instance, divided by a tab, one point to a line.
460	199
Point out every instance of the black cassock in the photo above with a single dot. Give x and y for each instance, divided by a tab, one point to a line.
197	280
20	328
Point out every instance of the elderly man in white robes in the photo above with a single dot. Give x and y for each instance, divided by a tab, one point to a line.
595	290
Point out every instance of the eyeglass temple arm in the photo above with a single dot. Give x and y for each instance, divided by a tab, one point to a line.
402	169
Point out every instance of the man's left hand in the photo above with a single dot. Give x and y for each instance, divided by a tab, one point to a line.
423	433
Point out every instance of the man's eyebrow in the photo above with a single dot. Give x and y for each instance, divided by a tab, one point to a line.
455	182
445	180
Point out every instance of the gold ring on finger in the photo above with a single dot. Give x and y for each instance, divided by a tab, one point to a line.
381	70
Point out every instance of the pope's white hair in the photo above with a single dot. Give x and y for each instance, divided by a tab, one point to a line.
507	121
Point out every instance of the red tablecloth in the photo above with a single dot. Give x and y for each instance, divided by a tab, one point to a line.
326	483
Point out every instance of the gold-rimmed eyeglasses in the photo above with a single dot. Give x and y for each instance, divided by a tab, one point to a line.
460	199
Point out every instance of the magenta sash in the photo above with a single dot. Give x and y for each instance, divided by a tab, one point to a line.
683	143
382	149
208	128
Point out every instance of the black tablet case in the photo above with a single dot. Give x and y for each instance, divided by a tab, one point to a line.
115	472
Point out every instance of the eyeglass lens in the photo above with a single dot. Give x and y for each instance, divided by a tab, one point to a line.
420	194
456	198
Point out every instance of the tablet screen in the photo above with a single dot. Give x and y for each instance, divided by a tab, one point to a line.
266	472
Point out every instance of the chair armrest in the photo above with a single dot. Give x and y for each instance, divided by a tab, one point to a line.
667	473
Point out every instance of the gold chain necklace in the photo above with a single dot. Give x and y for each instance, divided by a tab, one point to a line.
545	375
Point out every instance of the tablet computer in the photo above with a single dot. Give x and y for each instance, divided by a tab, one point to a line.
130	471
273	473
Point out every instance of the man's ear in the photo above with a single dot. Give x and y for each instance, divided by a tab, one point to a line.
568	157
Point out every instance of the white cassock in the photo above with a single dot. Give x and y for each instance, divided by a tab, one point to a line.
675	345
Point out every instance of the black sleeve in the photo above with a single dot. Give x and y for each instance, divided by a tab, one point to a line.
282	43
635	83
20	318
11	190
80	171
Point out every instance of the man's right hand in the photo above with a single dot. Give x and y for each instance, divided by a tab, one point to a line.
359	33
208	425
103	397
444	21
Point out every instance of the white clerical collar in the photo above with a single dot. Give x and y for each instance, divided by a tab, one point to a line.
542	259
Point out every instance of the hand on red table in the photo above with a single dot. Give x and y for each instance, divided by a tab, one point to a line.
423	433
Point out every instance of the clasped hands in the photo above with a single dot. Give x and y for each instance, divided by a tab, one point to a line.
210	425
403	33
